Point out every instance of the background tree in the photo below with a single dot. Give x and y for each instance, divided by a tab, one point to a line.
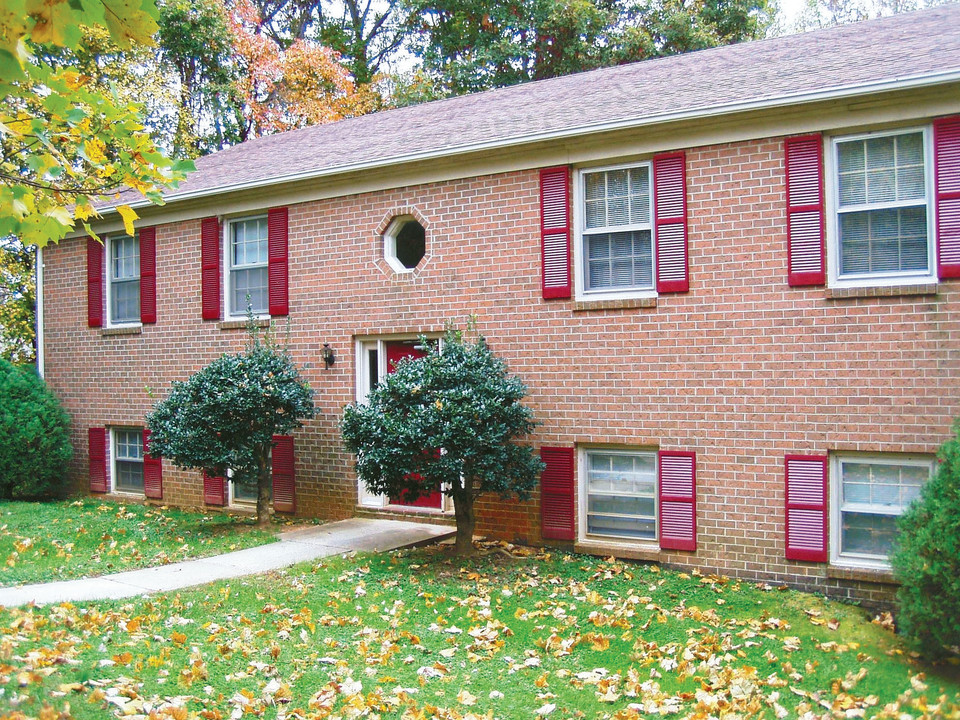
927	557
66	142
196	45
472	45
449	420
17	302
223	418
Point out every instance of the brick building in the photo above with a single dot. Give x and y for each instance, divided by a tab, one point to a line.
724	276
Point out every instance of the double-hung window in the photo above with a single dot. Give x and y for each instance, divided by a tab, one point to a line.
621	494
124	280
615	249
869	494
884	213
128	460
247	280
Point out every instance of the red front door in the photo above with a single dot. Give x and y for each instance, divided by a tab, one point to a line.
396	351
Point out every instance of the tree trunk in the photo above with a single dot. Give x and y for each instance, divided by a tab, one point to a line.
264	483
463	511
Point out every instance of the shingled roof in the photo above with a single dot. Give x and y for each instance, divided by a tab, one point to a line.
919	48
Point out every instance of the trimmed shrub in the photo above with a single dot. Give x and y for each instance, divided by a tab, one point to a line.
34	436
927	559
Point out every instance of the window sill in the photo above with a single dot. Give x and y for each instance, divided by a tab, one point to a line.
241	324
843	293
883	576
621	304
122	330
618	549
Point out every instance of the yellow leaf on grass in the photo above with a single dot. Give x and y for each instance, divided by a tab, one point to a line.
465	698
128	215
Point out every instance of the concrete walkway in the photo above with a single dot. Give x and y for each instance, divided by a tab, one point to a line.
294	546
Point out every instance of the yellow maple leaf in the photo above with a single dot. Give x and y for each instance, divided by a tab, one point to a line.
129	215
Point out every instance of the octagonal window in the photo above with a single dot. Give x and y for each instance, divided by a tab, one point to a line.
404	243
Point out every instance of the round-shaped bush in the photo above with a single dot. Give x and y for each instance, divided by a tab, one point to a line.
927	560
34	436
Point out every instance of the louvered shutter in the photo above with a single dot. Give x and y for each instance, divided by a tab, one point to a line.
277	260
557	494
677	474
284	474
805	211
214	489
670	212
210	267
97	453
152	471
555	231
148	275
94	284
946	144
806	507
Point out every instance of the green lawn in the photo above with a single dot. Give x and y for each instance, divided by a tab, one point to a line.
416	635
43	542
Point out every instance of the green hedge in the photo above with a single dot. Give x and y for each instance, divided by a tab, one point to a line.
34	436
927	559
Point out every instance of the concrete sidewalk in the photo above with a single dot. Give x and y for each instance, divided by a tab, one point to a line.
294	546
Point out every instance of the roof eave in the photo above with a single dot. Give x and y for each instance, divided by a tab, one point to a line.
703	113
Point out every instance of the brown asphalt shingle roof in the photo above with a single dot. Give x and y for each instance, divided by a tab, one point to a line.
900	47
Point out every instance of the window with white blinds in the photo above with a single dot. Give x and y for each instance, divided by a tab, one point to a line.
882	206
617	229
870	493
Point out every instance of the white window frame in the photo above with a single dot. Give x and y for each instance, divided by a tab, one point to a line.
857	560
232	500
362	364
583	473
114	459
832	183
228	269
579	231
108	249
390	244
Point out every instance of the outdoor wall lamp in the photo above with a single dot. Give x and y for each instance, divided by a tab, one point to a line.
328	357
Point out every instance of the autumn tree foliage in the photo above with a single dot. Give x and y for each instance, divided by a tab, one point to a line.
450	420
283	88
66	142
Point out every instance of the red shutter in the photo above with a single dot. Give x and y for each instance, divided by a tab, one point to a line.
97	451
148	275
284	474
670	211
806	512
946	144
94	284
556	494
805	213
210	267
678	500
152	471
277	260
214	489
555	231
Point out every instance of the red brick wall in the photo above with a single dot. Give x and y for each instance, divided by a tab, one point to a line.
742	369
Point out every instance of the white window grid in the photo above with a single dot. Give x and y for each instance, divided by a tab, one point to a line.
598	485
835	210
123	280
644	223
127	454
246	256
841	504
